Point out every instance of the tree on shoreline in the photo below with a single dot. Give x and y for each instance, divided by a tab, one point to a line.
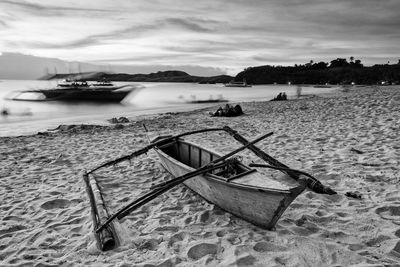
339	71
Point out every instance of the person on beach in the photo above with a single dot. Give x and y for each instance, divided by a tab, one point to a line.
4	112
281	97
228	111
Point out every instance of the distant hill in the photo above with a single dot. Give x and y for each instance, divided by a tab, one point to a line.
338	72
161	76
26	67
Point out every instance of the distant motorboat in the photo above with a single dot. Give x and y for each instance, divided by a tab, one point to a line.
103	83
69	83
81	91
237	84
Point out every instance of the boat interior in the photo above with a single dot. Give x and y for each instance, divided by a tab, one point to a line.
195	157
192	155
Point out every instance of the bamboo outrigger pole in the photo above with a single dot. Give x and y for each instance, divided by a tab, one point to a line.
312	183
105	238
152	145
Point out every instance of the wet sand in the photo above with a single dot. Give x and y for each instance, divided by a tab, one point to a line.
348	140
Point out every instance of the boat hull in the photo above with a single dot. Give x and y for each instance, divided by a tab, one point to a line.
85	95
88	93
258	205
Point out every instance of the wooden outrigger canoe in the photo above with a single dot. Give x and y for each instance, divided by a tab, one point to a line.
220	179
236	188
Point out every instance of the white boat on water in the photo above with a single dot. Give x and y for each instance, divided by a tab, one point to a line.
80	91
79	84
237	84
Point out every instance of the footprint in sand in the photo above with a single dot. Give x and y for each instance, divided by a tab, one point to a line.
246	260
221	233
394	101
267	246
204	216
389	212
396	249
149	244
356	247
55	204
13	228
397	233
377	240
200	250
178	237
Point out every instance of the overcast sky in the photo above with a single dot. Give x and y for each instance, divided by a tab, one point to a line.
225	34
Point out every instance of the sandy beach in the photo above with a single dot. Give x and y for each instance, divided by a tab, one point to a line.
348	140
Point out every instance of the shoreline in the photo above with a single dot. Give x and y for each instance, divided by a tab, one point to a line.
348	140
48	115
102	120
99	120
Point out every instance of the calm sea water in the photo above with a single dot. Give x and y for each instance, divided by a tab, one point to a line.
27	117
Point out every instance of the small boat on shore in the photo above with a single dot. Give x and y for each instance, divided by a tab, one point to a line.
234	188
80	91
260	198
237	84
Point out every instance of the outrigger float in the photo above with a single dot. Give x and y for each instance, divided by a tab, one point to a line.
220	179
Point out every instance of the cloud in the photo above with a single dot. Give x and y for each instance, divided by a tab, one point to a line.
225	33
3	24
201	46
188	24
23	4
128	33
141	59
47	10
